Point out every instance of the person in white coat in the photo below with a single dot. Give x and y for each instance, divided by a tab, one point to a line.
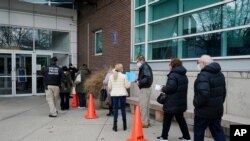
118	84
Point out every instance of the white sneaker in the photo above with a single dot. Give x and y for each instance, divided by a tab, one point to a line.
161	139
182	139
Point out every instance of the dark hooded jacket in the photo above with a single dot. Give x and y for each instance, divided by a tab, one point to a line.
209	92
176	91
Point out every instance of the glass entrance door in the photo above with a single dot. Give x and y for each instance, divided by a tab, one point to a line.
42	61
23	73
5	74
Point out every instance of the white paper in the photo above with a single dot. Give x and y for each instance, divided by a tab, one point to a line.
158	87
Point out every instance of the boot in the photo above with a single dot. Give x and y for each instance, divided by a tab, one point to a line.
124	125
115	126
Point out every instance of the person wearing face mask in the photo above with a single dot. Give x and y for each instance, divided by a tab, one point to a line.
176	102
209	96
144	82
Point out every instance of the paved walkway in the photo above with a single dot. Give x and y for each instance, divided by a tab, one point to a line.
26	119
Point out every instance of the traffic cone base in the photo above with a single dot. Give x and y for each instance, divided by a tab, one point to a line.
74	103
137	132
91	109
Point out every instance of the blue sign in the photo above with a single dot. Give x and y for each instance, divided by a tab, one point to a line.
114	38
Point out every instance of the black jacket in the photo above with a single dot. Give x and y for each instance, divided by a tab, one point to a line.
209	92
53	75
145	76
176	90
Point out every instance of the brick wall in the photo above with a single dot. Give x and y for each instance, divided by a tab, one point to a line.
110	16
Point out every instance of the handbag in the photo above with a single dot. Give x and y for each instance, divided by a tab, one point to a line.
162	98
78	79
103	95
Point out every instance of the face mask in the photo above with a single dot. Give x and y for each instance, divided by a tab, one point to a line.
198	67
138	64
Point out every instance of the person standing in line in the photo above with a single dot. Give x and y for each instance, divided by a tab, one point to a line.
73	70
209	96
108	100
53	77
118	84
176	102
84	73
144	82
65	89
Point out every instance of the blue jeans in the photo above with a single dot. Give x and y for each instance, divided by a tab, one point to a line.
200	125
116	100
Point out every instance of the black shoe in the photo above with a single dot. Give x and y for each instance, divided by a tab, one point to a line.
52	116
124	126
115	127
109	114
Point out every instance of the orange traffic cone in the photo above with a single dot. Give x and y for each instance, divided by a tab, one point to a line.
137	132
91	108
74	103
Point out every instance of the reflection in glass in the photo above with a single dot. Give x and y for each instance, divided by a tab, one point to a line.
203	44
5	36
193	4
238	42
139	3
236	13
98	42
204	21
162	50
42	61
43	39
164	29
60	41
139	50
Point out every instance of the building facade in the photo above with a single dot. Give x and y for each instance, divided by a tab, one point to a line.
187	29
30	34
104	34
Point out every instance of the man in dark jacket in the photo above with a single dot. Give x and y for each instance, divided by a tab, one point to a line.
53	76
144	82
209	96
176	103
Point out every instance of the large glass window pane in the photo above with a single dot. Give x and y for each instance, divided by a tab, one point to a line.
139	3
43	39
238	42
21	38
193	4
140	34
5	37
163	8
140	16
5	74
162	50
203	44
139	50
203	21
163	30
60	41
98	42
236	13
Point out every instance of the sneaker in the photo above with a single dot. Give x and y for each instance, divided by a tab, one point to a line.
182	139
52	116
161	139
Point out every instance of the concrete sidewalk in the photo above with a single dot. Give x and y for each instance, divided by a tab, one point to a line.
26	119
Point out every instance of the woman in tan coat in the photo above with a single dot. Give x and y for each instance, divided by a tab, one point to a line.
118	84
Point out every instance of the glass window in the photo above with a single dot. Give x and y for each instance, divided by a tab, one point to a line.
203	44
21	38
162	50
163	29
193	4
139	50
203	21
238	42
98	42
43	39
140	16
163	8
60	41
139	3
140	34
236	13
